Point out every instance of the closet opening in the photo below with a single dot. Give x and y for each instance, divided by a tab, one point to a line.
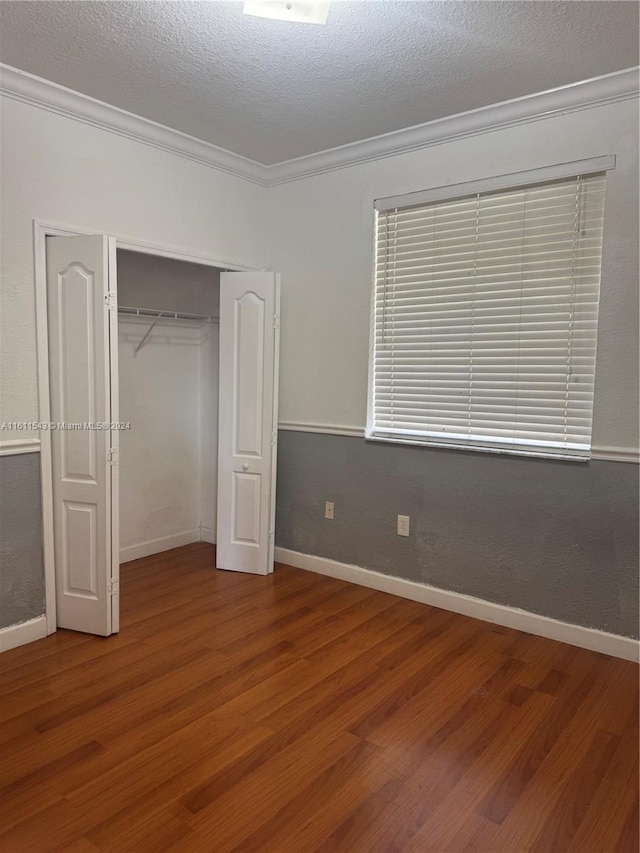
168	357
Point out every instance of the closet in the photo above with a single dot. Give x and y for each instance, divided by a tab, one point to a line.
185	355
168	354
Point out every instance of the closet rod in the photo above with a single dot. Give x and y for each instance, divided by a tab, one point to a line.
166	315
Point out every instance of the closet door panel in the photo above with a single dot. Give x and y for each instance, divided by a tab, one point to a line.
248	374
249	304
246	508
79	328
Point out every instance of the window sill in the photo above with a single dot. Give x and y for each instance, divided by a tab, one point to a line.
536	452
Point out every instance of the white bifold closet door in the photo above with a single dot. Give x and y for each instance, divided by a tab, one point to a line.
249	344
83	379
82	337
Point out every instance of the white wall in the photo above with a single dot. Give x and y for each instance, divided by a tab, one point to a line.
209	363
66	172
150	281
169	393
168	459
322	242
318	233
160	454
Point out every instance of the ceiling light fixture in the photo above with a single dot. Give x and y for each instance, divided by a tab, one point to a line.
298	11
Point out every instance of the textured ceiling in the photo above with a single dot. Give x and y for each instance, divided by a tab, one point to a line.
272	91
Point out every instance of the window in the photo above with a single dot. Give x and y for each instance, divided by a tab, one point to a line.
485	317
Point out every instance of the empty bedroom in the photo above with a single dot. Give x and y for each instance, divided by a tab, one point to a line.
319	443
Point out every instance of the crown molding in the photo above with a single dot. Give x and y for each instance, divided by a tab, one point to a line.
38	92
618	86
42	93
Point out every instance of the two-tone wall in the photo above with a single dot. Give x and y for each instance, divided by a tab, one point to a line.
76	175
558	539
21	566
553	538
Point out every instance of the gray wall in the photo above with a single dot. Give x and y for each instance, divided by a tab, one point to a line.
150	281
21	565
555	538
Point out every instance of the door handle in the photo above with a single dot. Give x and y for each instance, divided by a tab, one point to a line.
245	466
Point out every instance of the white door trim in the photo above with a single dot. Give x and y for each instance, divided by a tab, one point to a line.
41	230
114	402
40	233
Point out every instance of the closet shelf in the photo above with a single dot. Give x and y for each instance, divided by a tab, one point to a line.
156	315
166	315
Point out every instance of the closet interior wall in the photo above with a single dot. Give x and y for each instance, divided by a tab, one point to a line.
169	395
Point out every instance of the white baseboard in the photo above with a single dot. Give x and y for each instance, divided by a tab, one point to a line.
207	534
156	546
23	632
499	614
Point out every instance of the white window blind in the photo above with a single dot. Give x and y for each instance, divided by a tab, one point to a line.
485	319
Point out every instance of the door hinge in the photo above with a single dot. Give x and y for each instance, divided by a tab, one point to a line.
274	438
110	300
272	536
276	321
112	456
114	587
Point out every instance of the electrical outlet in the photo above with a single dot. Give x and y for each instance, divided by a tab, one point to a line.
328	510
403	525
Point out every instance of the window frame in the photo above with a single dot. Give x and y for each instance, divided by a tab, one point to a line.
508	181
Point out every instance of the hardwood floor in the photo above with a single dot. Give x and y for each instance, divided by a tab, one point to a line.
299	713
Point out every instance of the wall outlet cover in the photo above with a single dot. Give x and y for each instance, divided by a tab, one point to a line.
403	525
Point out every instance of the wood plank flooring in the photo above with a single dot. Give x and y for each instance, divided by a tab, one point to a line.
297	713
